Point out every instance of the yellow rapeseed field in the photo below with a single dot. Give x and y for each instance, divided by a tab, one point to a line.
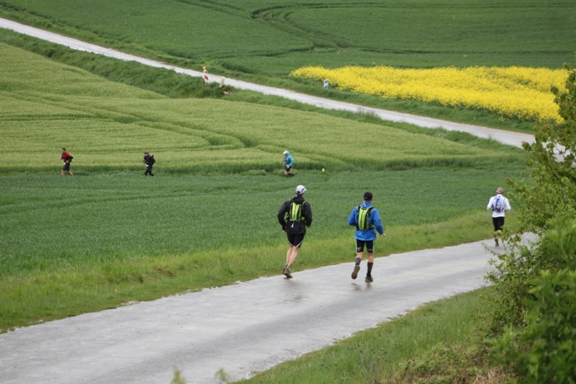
512	92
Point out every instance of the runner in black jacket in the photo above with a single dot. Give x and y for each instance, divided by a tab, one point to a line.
149	161
294	216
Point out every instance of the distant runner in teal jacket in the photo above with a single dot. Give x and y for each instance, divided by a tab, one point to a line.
288	163
366	219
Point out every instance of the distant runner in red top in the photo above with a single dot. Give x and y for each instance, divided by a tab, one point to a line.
66	158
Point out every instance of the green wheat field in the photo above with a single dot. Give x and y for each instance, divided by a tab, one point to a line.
110	236
213	202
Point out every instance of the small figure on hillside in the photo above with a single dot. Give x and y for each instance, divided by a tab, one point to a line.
149	161
67	159
294	216
499	205
288	163
366	219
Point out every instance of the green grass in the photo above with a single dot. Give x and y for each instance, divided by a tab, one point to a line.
51	222
278	38
109	235
365	32
437	343
176	85
108	125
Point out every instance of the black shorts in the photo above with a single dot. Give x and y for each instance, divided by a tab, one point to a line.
295	239
66	166
287	167
369	246
498	223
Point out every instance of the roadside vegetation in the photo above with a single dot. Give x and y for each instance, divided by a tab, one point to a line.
441	342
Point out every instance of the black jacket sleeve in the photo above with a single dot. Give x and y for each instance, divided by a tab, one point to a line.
307	213
282	214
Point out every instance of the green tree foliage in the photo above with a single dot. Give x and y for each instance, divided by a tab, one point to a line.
535	316
551	190
542	349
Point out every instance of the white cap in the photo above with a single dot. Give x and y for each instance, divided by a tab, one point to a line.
300	189
285	152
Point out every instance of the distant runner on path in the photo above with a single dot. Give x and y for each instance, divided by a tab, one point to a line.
499	205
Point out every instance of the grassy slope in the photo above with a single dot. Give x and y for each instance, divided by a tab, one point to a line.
108	127
88	238
277	38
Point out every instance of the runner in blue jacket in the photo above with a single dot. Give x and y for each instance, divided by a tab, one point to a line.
288	163
366	219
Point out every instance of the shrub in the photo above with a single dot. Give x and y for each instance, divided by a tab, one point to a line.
543	351
538	308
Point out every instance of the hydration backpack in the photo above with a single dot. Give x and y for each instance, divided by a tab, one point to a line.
498	204
295	213
363	219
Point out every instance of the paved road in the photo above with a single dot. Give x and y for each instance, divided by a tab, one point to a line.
510	138
245	327
242	328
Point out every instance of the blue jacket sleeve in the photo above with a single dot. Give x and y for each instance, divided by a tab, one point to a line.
352	219
376	220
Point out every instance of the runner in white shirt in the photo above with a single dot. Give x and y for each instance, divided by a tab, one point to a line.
499	206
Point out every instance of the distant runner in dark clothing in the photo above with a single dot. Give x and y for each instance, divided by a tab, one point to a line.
149	161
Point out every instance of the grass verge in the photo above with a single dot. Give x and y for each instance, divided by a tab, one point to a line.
55	293
441	342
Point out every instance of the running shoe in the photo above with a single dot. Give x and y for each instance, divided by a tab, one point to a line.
287	273
355	272
496	240
369	279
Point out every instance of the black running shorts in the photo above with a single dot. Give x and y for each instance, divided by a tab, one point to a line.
295	240
369	246
498	223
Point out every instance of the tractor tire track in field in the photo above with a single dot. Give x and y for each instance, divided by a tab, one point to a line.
246	327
